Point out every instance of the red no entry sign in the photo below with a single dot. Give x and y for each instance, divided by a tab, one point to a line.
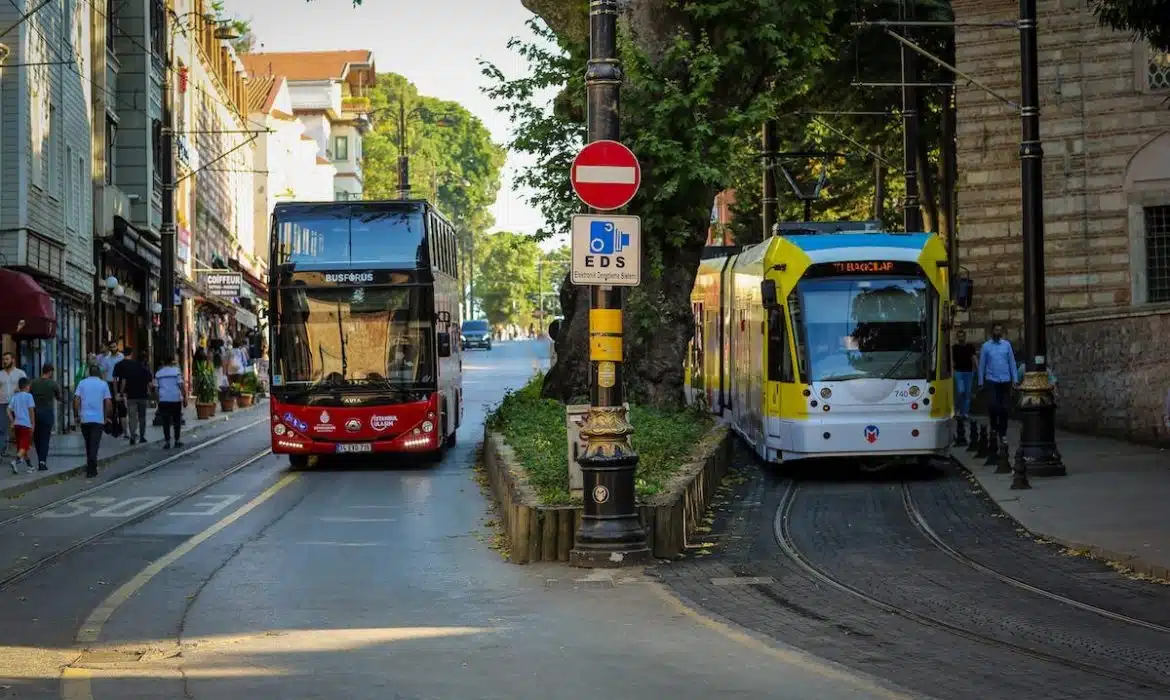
606	175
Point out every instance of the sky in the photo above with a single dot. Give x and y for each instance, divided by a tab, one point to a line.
436	44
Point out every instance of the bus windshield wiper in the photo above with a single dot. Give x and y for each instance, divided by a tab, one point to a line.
341	335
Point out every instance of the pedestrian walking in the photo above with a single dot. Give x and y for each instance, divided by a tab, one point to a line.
134	379
10	376
172	399
998	371
93	407
46	393
963	363
22	418
108	361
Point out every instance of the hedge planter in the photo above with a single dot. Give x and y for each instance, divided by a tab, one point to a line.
538	533
203	411
245	400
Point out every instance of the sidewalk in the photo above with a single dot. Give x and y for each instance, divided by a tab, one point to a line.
1114	503
67	451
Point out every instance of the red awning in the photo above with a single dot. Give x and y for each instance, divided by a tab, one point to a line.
27	311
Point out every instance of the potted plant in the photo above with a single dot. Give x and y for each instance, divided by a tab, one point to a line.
249	387
205	391
227	398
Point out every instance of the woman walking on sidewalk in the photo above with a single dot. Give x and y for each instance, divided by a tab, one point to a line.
93	407
171	400
46	392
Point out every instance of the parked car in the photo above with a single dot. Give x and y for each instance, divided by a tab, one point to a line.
476	334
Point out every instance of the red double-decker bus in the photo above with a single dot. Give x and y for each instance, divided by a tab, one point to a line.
364	303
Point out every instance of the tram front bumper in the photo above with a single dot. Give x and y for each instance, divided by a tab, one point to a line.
855	436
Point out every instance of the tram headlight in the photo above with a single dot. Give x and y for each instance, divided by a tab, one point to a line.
428	426
826	393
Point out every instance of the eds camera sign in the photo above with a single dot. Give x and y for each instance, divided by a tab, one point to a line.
607	250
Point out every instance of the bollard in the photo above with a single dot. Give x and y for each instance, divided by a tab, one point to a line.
973	446
1020	476
961	434
1003	465
992	454
981	445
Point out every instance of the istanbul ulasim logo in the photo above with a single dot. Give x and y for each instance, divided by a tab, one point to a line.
324	416
871	433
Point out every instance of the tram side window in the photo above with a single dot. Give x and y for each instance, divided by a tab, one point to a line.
779	354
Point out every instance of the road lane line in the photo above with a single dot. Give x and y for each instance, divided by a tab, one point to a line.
328	519
791	657
75	682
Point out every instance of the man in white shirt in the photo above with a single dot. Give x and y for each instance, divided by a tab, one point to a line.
10	376
92	406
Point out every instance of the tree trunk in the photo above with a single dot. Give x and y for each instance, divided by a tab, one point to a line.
926	185
656	331
947	171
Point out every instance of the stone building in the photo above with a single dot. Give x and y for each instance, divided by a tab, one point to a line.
1106	133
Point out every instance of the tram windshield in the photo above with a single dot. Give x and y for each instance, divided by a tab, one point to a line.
875	328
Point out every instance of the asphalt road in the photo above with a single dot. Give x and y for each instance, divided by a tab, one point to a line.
223	575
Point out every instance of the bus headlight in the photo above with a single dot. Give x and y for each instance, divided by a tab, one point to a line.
428	426
280	429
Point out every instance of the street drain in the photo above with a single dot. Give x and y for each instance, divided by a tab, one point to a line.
109	656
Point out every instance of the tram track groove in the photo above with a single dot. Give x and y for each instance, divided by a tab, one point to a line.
85	493
44	562
786	543
920	523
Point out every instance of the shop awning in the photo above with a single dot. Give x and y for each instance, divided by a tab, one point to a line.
27	312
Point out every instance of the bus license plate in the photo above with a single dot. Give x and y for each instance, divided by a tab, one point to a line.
355	447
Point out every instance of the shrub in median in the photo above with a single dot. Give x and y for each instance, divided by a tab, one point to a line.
535	430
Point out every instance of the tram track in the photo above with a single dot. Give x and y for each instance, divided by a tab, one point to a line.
44	562
98	488
920	523
788	546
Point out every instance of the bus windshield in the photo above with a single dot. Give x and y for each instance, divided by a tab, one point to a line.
338	237
347	335
876	328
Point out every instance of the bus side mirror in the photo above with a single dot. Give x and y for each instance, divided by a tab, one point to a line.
768	292
444	344
964	293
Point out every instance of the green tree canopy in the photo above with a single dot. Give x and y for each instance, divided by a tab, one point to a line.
1148	19
506	276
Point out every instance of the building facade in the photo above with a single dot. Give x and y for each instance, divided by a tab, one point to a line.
215	145
46	170
287	165
329	95
1106	137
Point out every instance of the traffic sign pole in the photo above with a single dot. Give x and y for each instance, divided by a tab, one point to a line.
611	533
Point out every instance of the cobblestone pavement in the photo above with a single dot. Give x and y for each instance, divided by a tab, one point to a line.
920	580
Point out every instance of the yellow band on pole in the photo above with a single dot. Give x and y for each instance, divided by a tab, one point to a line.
607	321
605	348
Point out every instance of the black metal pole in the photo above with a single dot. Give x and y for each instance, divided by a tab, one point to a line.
912	214
168	325
611	533
1037	452
879	188
949	154
403	158
769	201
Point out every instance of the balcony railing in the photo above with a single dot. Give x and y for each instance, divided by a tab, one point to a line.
355	105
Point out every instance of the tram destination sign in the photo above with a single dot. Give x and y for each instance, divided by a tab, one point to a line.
226	285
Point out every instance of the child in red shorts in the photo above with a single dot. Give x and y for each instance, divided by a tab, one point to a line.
22	418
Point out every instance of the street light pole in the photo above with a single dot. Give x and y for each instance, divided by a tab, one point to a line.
912	213
611	533
1037	451
403	158
168	323
768	200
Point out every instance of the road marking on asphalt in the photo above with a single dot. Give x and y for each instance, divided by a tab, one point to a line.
326	543
75	682
791	657
106	507
356	520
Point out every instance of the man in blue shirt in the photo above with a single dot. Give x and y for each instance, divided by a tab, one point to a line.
997	370
92	407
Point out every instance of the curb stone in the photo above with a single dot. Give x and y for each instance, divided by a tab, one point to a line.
50	478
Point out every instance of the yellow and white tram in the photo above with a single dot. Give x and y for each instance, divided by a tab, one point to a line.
827	345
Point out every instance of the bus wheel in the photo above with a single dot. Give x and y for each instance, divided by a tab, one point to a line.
298	461
450	440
